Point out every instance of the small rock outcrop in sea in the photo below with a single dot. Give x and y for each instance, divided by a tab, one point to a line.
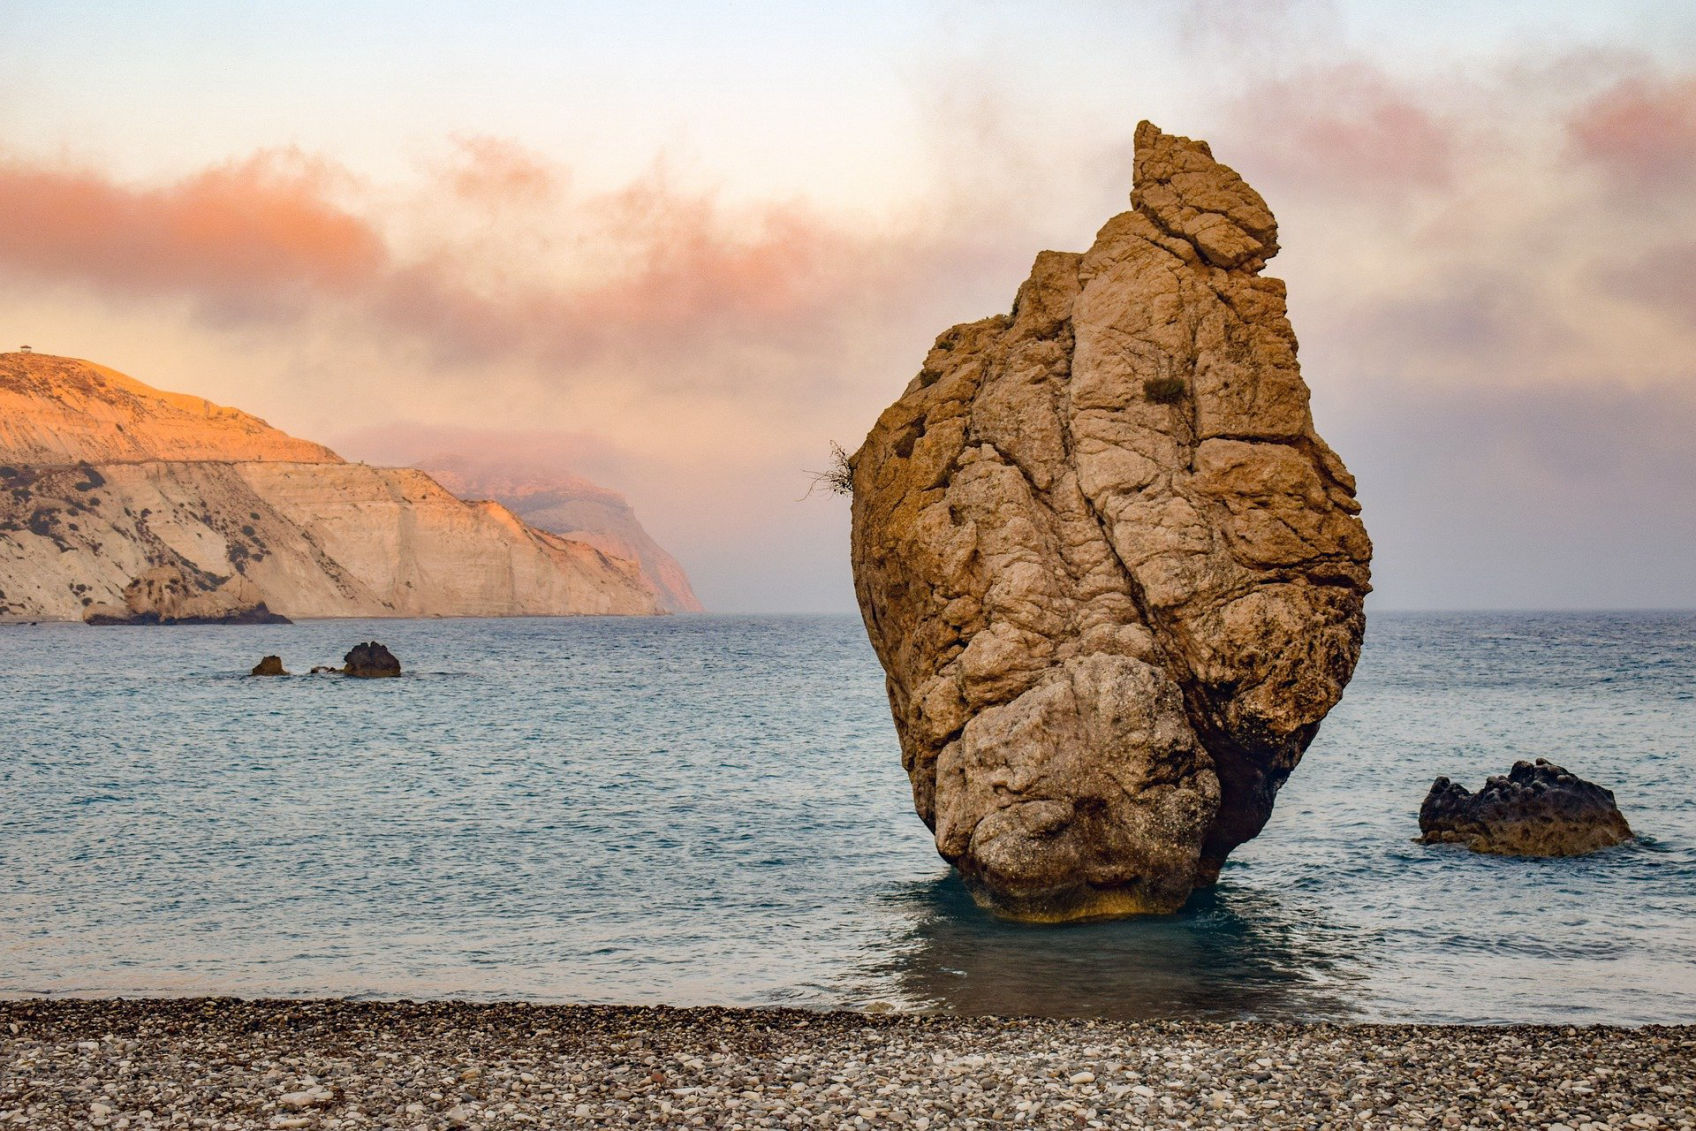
167	595
1113	574
1538	809
370	661
270	665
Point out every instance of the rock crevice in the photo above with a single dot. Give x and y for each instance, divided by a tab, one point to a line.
1114	575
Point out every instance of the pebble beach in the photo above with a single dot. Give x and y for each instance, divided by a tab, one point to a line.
227	1063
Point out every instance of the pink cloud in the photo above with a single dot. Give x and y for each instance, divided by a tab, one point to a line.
1346	130
496	171
561	456
674	273
253	231
1642	131
662	273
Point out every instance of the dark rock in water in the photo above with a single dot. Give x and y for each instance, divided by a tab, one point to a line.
270	665
1536	810
323	669
370	661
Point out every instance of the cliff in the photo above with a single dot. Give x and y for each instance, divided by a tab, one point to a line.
571	507
58	410
1113	573
103	479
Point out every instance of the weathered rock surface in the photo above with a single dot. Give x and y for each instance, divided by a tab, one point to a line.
1113	574
270	665
370	661
1538	809
167	595
103	480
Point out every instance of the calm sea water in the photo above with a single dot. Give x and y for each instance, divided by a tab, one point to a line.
711	810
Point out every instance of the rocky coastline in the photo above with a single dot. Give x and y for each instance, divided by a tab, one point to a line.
227	1063
122	504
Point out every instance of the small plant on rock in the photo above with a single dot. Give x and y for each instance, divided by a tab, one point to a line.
1163	390
838	479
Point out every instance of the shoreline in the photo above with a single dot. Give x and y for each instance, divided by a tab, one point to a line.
129	1063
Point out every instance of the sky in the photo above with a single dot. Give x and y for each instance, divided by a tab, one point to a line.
682	248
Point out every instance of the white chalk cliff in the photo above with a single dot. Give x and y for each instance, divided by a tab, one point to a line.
103	478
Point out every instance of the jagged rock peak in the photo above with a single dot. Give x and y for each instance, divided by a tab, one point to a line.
1114	576
1188	194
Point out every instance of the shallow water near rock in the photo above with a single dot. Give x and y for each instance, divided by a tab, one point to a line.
712	810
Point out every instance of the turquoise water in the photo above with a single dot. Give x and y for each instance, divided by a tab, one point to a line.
711	810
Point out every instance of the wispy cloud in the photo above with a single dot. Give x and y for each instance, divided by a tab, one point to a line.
1346	130
256	236
500	173
671	285
1641	133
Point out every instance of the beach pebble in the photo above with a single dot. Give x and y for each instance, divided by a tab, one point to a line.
436	1065
309	1098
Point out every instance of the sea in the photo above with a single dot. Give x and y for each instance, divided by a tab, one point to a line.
711	810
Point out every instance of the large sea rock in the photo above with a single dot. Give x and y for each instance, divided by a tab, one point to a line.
1113	574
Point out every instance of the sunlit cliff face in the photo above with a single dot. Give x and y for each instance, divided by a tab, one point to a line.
1484	239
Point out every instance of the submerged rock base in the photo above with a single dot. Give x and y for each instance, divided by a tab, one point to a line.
1538	809
1114	576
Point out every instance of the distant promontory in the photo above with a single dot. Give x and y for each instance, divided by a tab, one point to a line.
105	480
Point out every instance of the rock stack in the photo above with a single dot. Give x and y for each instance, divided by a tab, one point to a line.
1113	574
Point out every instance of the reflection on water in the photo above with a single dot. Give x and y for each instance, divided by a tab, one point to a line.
1232	953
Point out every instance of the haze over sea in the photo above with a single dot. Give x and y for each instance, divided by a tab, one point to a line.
696	810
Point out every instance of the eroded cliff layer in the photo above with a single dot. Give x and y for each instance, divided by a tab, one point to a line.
1113	574
103	480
